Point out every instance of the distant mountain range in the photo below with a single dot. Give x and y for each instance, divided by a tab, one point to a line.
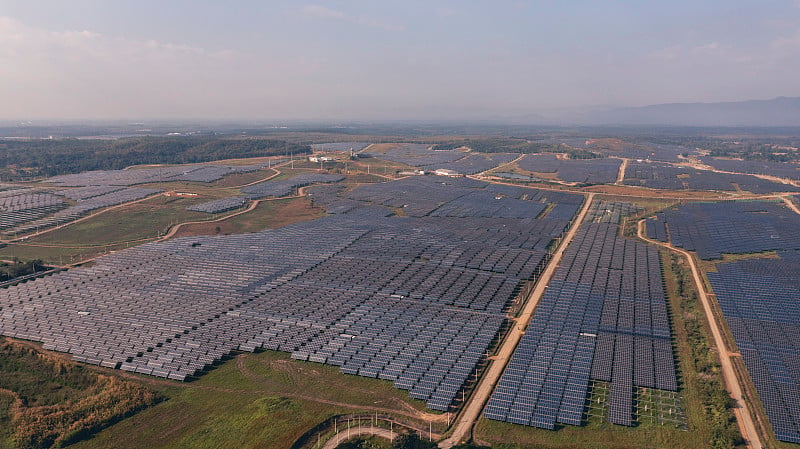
781	111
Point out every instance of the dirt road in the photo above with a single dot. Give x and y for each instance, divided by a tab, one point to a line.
790	204
621	174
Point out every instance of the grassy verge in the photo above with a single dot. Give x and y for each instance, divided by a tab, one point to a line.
709	407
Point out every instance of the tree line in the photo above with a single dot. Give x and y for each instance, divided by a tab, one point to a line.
16	269
28	159
515	145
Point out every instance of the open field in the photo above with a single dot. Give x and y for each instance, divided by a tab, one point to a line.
268	214
263	400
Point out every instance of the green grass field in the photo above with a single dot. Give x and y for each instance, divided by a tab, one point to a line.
264	400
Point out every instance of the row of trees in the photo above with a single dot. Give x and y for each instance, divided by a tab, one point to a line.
16	269
404	441
514	145
499	145
26	159
756	148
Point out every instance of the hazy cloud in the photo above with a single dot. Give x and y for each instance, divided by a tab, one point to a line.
318	61
324	12
791	42
21	40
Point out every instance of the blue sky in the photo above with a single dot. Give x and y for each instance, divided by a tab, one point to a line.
379	60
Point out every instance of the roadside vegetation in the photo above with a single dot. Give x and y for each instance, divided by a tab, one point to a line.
47	401
16	268
711	407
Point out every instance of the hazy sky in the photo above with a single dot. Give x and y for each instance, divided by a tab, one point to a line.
345	60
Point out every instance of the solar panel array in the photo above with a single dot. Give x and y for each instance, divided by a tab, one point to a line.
27	206
488	204
787	170
671	177
540	163
759	299
195	173
476	162
563	211
84	193
4	188
285	187
590	171
516	177
462	197
734	227
86	205
325	193
419	155
574	142
413	300
648	151
220	205
603	317
610	211
656	229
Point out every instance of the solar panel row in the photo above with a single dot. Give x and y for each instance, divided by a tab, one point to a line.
665	176
787	170
24	207
736	227
220	205
86	205
419	155
591	171
759	300
196	173
283	188
475	163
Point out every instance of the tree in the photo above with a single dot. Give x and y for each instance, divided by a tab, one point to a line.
412	441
